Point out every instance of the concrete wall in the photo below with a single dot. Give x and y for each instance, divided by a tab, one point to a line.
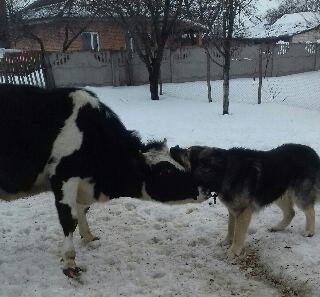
311	36
182	65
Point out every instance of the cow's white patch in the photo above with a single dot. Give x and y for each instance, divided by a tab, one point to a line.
70	193
103	198
81	98
70	138
83	225
144	193
68	244
155	156
85	192
68	252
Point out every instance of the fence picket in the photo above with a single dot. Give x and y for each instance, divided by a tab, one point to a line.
23	68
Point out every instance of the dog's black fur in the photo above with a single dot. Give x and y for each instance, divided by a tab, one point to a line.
264	175
246	180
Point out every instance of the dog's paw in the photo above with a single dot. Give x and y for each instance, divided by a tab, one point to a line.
235	250
275	229
227	241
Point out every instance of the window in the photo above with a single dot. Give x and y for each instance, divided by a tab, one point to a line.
90	41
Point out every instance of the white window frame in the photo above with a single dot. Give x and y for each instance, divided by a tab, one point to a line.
91	35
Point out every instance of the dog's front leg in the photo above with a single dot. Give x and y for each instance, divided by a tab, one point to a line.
231	224
242	221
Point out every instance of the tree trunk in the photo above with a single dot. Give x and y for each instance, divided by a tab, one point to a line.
208	76
154	87
160	83
154	76
226	76
260	76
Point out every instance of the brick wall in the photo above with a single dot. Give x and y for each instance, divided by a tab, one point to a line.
111	36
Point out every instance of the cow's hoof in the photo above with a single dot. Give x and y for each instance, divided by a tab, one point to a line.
72	272
90	238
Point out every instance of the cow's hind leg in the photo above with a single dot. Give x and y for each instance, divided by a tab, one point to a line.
83	225
285	203
65	195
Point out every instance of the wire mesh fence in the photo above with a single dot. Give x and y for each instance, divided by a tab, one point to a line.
290	75
300	90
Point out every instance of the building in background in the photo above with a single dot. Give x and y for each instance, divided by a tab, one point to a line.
48	20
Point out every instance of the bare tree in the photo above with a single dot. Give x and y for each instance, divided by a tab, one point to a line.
149	23
70	12
222	19
20	16
206	13
4	40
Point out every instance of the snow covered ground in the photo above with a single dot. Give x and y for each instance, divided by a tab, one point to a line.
149	249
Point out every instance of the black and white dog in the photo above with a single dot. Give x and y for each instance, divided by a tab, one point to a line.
67	141
247	180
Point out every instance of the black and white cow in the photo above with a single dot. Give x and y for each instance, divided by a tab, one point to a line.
66	141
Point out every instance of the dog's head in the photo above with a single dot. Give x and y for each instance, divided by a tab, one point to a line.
206	164
167	180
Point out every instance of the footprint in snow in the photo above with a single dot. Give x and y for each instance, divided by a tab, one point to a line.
130	206
158	274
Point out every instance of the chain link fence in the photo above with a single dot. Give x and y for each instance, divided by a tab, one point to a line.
290	75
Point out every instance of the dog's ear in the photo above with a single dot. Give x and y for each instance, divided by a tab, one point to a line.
194	154
181	156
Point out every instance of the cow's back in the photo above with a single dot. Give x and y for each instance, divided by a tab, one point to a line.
30	121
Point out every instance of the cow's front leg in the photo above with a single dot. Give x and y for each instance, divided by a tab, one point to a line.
83	225
65	195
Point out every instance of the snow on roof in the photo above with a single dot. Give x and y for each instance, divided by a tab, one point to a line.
46	9
287	25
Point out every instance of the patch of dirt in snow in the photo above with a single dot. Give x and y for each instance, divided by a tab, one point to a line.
252	267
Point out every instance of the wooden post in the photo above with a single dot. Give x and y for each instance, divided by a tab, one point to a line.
208	75
129	66
171	65
260	75
315	56
160	82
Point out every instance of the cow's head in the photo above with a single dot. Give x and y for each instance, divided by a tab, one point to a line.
167	180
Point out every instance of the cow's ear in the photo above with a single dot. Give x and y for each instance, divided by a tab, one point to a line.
165	144
165	141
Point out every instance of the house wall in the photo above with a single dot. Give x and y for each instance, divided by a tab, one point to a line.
312	36
110	36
